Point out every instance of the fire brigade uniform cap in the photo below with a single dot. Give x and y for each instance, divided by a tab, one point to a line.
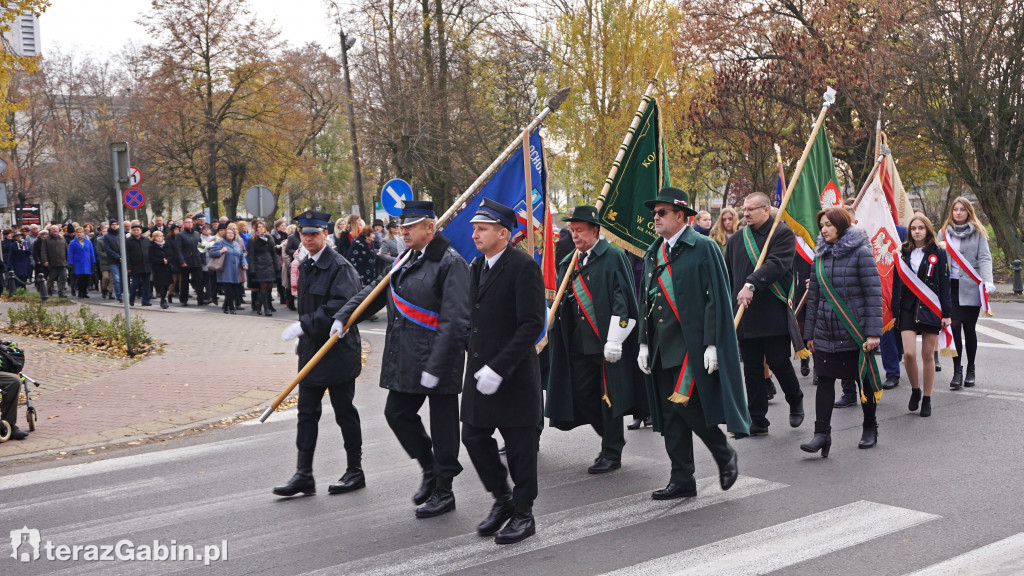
415	211
313	221
492	212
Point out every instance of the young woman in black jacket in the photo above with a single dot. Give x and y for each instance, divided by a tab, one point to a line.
913	316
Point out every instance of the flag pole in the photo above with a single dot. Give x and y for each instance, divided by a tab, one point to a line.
552	105
651	86
830	98
528	176
871	176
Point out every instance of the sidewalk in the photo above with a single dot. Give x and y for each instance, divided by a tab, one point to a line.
213	366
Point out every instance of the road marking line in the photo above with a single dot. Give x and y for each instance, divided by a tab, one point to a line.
1002	336
786	544
1003	557
469	550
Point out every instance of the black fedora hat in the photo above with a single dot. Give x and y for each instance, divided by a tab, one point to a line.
583	214
675	197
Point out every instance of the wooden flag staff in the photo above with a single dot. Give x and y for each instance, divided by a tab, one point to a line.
553	104
830	98
651	86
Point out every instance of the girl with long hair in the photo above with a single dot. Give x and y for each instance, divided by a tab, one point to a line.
724	227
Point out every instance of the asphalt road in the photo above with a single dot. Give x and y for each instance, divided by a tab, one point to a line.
939	495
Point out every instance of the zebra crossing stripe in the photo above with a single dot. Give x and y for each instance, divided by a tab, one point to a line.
1003	557
467	551
785	544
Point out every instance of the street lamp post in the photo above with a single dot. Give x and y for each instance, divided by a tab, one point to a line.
348	42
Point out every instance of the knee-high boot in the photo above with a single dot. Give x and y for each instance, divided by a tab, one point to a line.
267	308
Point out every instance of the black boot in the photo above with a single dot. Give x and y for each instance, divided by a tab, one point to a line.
938	367
440	502
427	485
770	385
869	437
796	414
231	307
226	307
805	366
257	303
302	481
163	302
915	399
353	478
926	406
267	308
501	511
969	379
958	378
822	439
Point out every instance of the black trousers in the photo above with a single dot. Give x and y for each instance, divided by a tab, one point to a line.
680	423
442	445
83	284
587	405
10	387
192	275
775	350
521	443
345	414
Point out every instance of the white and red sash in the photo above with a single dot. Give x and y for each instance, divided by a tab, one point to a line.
925	294
953	248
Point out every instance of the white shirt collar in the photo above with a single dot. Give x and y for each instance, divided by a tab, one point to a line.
494	259
675	238
316	256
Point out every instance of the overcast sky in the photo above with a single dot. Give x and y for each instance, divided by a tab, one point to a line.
103	26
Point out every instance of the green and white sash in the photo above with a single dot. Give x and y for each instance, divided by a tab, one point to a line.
680	394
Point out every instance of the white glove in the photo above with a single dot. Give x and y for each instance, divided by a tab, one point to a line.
612	351
711	359
643	358
293	331
428	380
487	380
338	328
990	287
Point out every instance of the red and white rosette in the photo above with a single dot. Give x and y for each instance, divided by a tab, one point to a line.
928	297
953	248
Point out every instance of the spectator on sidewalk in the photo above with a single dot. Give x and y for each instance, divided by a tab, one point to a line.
209	276
393	244
31	235
280	236
191	263
230	276
172	241
137	249
81	257
261	272
54	253
362	257
112	247
160	262
19	258
41	271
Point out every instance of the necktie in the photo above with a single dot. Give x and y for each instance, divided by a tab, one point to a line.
586	256
484	273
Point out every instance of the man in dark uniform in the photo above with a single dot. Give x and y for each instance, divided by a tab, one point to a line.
326	282
766	331
424	352
686	335
502	384
594	322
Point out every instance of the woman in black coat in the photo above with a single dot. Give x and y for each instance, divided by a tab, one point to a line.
160	258
845	261
261	267
913	316
174	247
362	256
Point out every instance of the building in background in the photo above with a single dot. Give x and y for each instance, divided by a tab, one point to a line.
23	37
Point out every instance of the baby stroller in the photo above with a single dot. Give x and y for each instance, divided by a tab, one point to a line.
12	359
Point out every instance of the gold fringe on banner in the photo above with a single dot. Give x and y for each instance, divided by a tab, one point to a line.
679	398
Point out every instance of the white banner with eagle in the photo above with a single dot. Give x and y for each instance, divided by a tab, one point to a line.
875	216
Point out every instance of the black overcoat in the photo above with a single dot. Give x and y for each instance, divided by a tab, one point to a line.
506	320
324	287
766	315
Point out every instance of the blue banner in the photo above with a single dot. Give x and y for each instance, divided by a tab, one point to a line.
778	192
507	186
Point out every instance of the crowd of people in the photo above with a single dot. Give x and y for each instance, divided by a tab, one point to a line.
168	260
651	335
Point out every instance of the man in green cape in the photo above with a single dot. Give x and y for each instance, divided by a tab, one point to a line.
592	330
688	346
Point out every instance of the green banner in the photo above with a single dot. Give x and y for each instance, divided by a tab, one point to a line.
641	174
816	188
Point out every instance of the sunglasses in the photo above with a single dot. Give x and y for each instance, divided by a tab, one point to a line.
661	212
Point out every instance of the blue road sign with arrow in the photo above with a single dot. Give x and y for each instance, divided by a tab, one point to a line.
134	198
394	195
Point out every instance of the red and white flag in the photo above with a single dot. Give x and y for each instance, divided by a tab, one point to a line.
875	217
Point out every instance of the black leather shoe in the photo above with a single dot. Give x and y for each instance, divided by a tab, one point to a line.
602	465
796	414
673	491
821	441
728	474
648	422
300	482
18	434
890	383
771	387
805	366
915	399
635	424
426	488
958	379
869	437
845	401
440	502
758	430
520	527
969	378
501	511
352	480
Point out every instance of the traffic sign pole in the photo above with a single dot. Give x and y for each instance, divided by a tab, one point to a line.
119	153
